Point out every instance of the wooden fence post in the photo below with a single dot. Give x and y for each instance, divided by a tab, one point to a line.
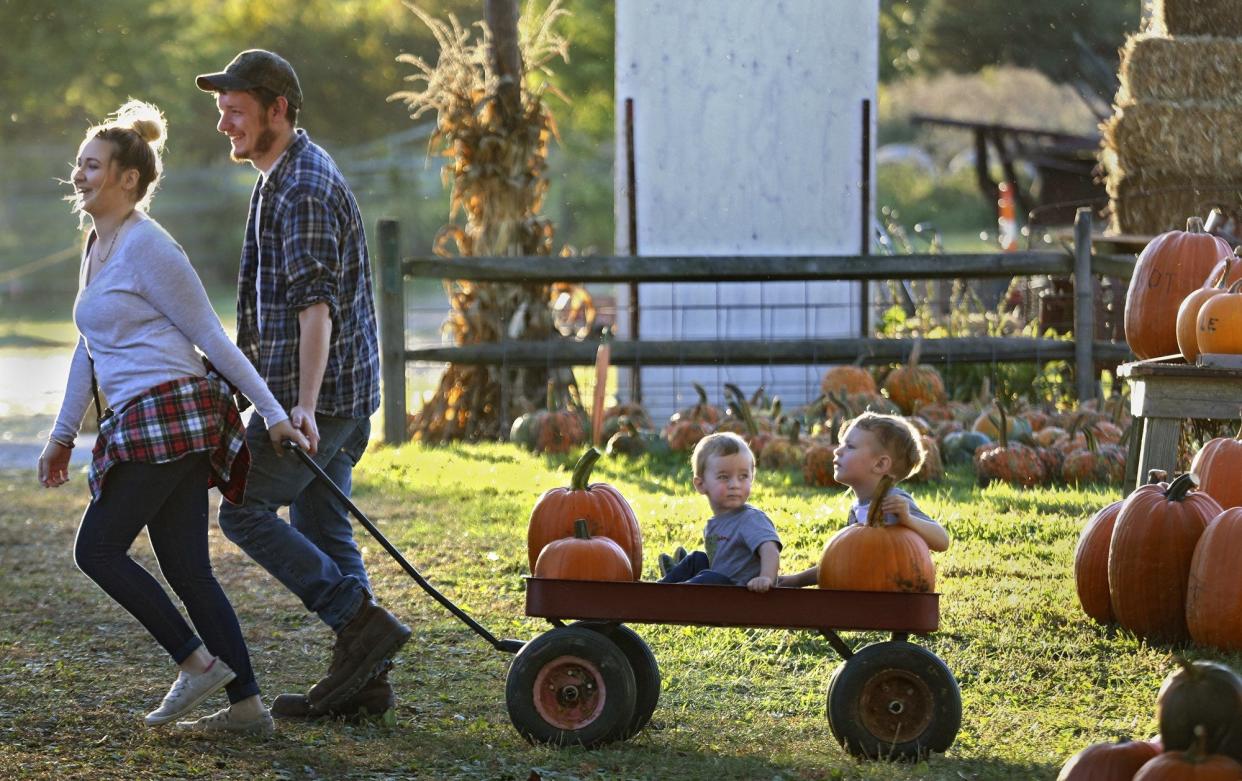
1084	307
392	332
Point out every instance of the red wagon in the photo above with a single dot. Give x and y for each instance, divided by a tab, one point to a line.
596	681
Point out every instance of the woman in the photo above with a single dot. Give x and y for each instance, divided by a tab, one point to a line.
141	311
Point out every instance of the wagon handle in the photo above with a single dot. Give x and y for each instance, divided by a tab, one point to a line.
508	646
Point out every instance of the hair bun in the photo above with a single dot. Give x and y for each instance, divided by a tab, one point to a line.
145	120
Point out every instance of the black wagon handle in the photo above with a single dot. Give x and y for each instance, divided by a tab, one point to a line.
508	646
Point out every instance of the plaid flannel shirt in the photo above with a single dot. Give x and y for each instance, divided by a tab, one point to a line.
171	420
310	248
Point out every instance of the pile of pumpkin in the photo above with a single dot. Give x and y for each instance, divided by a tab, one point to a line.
1185	296
1162	563
1199	709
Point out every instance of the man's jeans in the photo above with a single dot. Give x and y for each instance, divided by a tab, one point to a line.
314	555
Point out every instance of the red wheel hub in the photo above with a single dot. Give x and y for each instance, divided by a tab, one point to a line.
569	692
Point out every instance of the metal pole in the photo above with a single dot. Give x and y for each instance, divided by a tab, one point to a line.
631	205
1084	307
864	238
392	332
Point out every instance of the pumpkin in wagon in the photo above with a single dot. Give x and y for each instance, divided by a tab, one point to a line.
583	557
606	511
873	556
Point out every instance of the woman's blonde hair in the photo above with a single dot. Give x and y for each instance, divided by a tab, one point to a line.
137	131
899	440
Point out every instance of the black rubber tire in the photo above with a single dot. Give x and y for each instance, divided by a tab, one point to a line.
644	665
570	686
894	700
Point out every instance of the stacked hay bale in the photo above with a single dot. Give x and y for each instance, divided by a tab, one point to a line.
1172	148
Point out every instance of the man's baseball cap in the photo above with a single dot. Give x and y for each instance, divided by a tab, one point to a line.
256	68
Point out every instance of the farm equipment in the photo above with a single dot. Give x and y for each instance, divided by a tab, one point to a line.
596	681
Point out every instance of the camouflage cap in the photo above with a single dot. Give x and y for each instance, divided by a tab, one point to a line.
256	68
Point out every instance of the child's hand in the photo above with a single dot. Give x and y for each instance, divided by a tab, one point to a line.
897	506
759	584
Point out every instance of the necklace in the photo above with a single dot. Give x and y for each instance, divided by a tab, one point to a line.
112	243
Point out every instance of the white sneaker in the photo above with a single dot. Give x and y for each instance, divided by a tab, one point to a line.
225	721
189	690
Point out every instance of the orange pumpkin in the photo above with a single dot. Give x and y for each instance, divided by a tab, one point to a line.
912	386
1091	564
873	556
1193	764
1149	557
847	380
1188	312
1214	590
1169	268
606	511
783	452
1219	324
1109	761
583	557
1217	466
817	469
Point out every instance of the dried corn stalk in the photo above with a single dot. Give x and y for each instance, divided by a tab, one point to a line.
495	134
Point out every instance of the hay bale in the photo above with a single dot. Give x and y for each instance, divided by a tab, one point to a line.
1164	136
1191	68
1153	203
1197	17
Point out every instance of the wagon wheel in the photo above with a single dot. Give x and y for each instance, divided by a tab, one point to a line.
894	700
642	662
570	686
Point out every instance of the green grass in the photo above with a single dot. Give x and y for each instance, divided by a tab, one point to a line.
1038	679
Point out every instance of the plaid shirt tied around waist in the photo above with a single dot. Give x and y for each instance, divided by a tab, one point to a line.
174	419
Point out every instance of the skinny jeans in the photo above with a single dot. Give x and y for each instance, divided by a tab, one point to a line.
170	500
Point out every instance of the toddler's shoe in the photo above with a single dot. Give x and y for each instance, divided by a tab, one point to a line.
189	690
225	722
667	562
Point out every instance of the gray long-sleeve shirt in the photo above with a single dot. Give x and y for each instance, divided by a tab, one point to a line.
141	318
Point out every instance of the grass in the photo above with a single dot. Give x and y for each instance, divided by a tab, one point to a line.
1039	680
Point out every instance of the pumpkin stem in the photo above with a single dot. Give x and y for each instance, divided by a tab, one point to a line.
1239	426
1235	287
743	408
1004	425
1180	486
580	529
915	352
1197	753
1224	274
757	397
1195	225
582	470
875	516
551	396
699	389
1156	476
793	432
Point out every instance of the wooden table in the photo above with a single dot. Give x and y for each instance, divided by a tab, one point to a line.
1164	392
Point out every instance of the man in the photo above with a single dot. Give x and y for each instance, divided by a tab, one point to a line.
306	319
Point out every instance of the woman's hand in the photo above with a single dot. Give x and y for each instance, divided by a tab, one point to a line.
285	430
54	465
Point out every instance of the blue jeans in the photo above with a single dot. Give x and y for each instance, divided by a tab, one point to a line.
170	500
314	555
695	568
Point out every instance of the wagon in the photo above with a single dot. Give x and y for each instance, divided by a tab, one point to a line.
595	681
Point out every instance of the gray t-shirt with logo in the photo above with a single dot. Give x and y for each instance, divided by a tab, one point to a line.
732	541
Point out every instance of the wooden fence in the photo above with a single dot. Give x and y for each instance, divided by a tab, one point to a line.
1081	264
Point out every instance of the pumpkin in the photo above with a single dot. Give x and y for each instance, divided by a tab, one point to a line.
702	410
627	440
960	446
583	557
683	435
1153	542
634	412
932	467
1169	268
1010	463
988	422
1214	590
1191	765
1094	462
912	386
1200	705
1091	564
558	431
1219	322
1188	312
817	467
1217	466
873	556
606	511
847	380
783	452
1109	761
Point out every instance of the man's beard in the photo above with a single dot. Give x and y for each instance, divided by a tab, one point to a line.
262	145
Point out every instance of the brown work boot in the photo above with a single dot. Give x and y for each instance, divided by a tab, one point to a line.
375	698
364	646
